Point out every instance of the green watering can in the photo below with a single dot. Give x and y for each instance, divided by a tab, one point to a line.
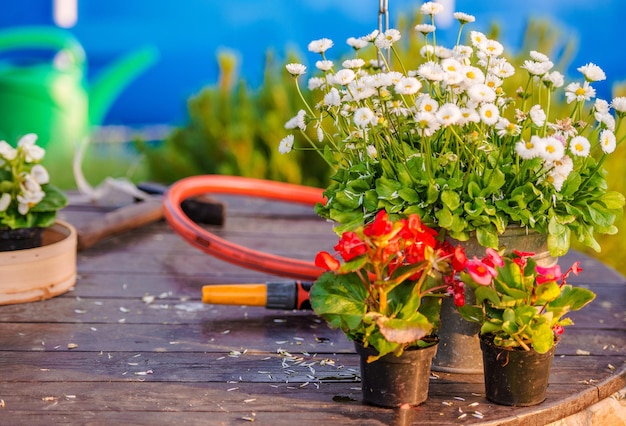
51	97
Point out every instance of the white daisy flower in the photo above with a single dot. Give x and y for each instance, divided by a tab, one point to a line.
320	46
464	18
286	144
397	108
316	83
480	93
371	151
427	51
489	113
324	65
502	68
493	81
451	65
592	72
443	52
538	56
295	69
332	98
477	38
537	115
357	43
408	86
576	92
359	90
505	128
551	149
427	104
381	79
553	78
364	117
448	114
387	39
607	141
427	123
601	106
353	63
560	171
528	149
468	115
371	36
425	28
431	71
297	121
579	146
320	131
462	53
618	104
344	77
537	68
473	75
491	48
431	8
605	118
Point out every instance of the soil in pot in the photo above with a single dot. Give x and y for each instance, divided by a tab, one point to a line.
20	239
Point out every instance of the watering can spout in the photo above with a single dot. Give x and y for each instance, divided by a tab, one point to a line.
113	80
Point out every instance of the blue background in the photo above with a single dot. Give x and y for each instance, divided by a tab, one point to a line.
189	33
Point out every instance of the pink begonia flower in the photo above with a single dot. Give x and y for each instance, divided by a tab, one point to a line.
550	273
480	272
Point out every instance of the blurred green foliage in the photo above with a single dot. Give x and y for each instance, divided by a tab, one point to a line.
233	130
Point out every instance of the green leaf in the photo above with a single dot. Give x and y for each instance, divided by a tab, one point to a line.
542	338
451	200
547	292
409	195
401	331
613	200
339	299
487	237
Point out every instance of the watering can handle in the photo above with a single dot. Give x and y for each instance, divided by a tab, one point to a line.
41	37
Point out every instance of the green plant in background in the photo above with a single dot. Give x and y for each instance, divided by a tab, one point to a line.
232	131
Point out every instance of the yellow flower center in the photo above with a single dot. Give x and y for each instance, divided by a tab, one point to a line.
578	147
471	75
488	113
428	107
580	91
550	149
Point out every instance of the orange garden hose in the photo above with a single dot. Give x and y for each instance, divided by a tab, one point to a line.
228	251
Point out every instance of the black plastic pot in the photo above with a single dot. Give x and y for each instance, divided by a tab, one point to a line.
392	381
515	377
20	238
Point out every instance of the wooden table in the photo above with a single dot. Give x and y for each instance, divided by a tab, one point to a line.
133	344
